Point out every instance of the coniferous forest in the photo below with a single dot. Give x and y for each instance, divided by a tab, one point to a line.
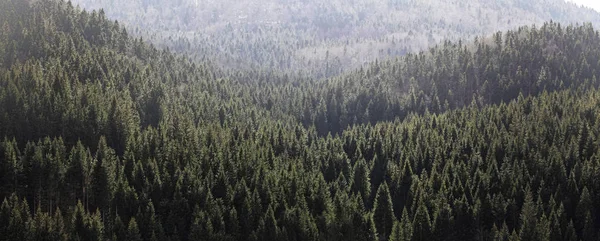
104	136
323	38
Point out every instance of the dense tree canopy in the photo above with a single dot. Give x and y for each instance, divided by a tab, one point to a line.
105	137
323	38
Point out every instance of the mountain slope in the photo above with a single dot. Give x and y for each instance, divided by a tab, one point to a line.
104	137
75	74
324	38
526	61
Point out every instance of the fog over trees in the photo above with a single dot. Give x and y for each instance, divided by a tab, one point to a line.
113	134
324	37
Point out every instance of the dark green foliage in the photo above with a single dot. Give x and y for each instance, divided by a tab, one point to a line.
383	213
105	137
397	232
361	184
133	232
86	226
421	224
528	219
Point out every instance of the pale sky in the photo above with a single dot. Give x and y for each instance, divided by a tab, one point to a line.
595	4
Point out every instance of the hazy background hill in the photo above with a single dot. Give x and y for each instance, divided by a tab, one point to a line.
324	37
104	137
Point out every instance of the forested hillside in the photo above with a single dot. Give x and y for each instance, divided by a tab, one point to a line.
526	61
105	137
324	37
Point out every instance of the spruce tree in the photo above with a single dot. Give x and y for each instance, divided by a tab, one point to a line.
528	218
383	213
133	232
421	224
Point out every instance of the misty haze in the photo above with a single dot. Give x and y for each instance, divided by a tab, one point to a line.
378	120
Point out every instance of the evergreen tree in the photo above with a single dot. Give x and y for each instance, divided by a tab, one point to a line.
421	224
528	218
104	170
133	232
361	182
383	213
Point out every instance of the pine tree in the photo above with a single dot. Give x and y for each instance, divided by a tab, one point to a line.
361	182
502	234
406	226
555	228
383	213
584	207
79	173
397	232
147	222
103	182
60	228
570	233
95	227
542	228
10	168
133	232
367	229
528	218
588	231
79	229
271	231
421	224
119	230
201	228
443	222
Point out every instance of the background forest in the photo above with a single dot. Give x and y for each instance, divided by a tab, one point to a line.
323	38
107	137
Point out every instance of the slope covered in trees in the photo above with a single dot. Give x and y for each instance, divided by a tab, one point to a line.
527	61
324	37
104	137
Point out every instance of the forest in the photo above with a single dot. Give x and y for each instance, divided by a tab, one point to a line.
323	38
107	136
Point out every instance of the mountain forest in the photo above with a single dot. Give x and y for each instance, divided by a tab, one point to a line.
323	38
107	135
